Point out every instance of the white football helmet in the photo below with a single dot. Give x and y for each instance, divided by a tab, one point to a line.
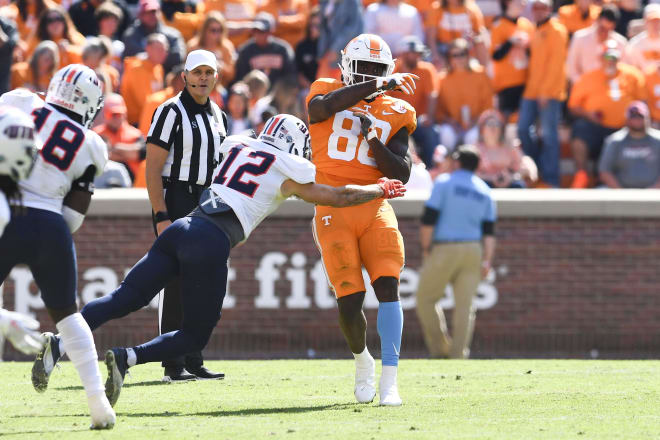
365	47
287	133
76	88
17	143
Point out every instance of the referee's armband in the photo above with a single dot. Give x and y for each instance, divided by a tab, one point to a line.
86	181
430	216
488	227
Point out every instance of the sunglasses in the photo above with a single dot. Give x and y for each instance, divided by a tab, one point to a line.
54	19
215	30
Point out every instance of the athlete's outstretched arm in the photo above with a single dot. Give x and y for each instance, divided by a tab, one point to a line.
322	107
340	197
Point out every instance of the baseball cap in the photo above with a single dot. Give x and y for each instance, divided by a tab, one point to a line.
114	104
611	50
201	57
412	43
148	5
637	108
652	12
264	22
545	2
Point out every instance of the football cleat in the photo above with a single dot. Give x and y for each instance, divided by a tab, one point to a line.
365	378
116	361
45	362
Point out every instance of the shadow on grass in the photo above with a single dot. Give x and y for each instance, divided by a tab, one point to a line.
126	385
247	411
63	431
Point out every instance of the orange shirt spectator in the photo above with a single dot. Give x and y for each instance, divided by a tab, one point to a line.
547	63
143	75
26	14
652	79
427	85
606	96
578	16
54	25
125	142
36	73
212	36
290	18
471	88
239	12
452	19
510	61
643	51
175	85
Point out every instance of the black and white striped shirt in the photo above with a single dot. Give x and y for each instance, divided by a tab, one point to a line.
192	133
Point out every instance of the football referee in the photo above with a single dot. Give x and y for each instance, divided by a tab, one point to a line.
183	147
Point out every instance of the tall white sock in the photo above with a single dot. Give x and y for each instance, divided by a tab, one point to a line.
79	345
389	372
364	357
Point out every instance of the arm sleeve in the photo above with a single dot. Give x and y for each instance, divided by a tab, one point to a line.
163	123
86	181
430	216
488	227
502	51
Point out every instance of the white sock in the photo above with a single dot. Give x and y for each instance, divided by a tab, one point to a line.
364	357
132	357
79	345
389	372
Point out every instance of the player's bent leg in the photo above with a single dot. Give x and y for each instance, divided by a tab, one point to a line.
390	329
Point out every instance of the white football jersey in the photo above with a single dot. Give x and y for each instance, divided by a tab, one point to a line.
67	149
250	175
5	213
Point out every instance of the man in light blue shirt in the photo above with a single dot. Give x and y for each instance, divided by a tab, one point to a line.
458	217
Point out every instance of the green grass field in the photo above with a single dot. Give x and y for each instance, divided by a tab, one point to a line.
313	399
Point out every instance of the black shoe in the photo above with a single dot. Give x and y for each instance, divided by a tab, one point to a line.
177	374
202	372
117	363
45	362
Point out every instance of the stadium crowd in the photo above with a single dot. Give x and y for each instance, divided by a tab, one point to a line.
553	95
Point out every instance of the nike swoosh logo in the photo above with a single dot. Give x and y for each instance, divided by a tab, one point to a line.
395	350
387	113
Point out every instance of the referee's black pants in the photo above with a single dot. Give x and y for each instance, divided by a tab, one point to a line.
180	199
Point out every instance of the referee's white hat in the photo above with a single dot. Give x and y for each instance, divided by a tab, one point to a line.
201	57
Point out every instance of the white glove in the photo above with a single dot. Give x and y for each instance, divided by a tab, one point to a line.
398	81
20	330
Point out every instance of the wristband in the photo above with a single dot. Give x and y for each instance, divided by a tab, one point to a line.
372	135
161	216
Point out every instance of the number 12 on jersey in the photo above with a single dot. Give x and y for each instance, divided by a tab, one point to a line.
255	168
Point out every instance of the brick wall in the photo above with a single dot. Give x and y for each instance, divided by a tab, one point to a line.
565	287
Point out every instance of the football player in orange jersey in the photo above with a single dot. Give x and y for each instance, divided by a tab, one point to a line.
359	135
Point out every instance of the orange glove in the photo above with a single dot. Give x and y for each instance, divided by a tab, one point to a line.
392	188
